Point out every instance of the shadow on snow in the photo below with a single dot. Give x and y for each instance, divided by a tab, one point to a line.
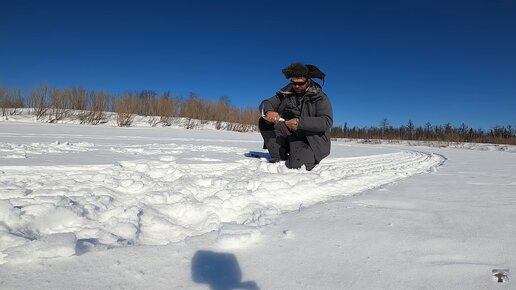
219	270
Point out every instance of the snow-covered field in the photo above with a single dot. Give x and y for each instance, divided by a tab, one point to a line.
99	207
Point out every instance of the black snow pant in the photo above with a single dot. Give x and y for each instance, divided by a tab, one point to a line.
285	145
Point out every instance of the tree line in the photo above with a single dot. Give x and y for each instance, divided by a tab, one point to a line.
91	107
446	133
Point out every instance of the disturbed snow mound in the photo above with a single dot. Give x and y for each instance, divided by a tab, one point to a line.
53	211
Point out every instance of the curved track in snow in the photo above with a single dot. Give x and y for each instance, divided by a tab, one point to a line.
154	199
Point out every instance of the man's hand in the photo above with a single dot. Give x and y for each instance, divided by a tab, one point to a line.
292	124
272	117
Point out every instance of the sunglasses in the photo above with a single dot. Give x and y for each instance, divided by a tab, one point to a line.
299	84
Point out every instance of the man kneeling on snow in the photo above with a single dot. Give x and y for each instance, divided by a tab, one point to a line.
296	121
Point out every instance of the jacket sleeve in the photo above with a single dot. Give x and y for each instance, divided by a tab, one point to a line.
270	104
322	119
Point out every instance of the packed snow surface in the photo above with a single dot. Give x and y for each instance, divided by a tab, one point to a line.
166	192
131	206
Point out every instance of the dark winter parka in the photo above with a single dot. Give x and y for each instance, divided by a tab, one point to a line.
314	112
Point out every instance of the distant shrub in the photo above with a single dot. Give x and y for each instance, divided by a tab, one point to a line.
10	101
125	108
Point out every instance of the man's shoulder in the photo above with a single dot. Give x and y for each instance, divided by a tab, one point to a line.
315	89
317	93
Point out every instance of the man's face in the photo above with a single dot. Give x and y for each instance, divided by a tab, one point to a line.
299	84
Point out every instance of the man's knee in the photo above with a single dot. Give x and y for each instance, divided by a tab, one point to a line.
300	154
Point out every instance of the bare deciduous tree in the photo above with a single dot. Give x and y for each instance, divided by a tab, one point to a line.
97	106
61	104
79	98
39	100
167	108
221	111
10	101
126	108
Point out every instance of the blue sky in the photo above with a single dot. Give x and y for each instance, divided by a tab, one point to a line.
425	61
